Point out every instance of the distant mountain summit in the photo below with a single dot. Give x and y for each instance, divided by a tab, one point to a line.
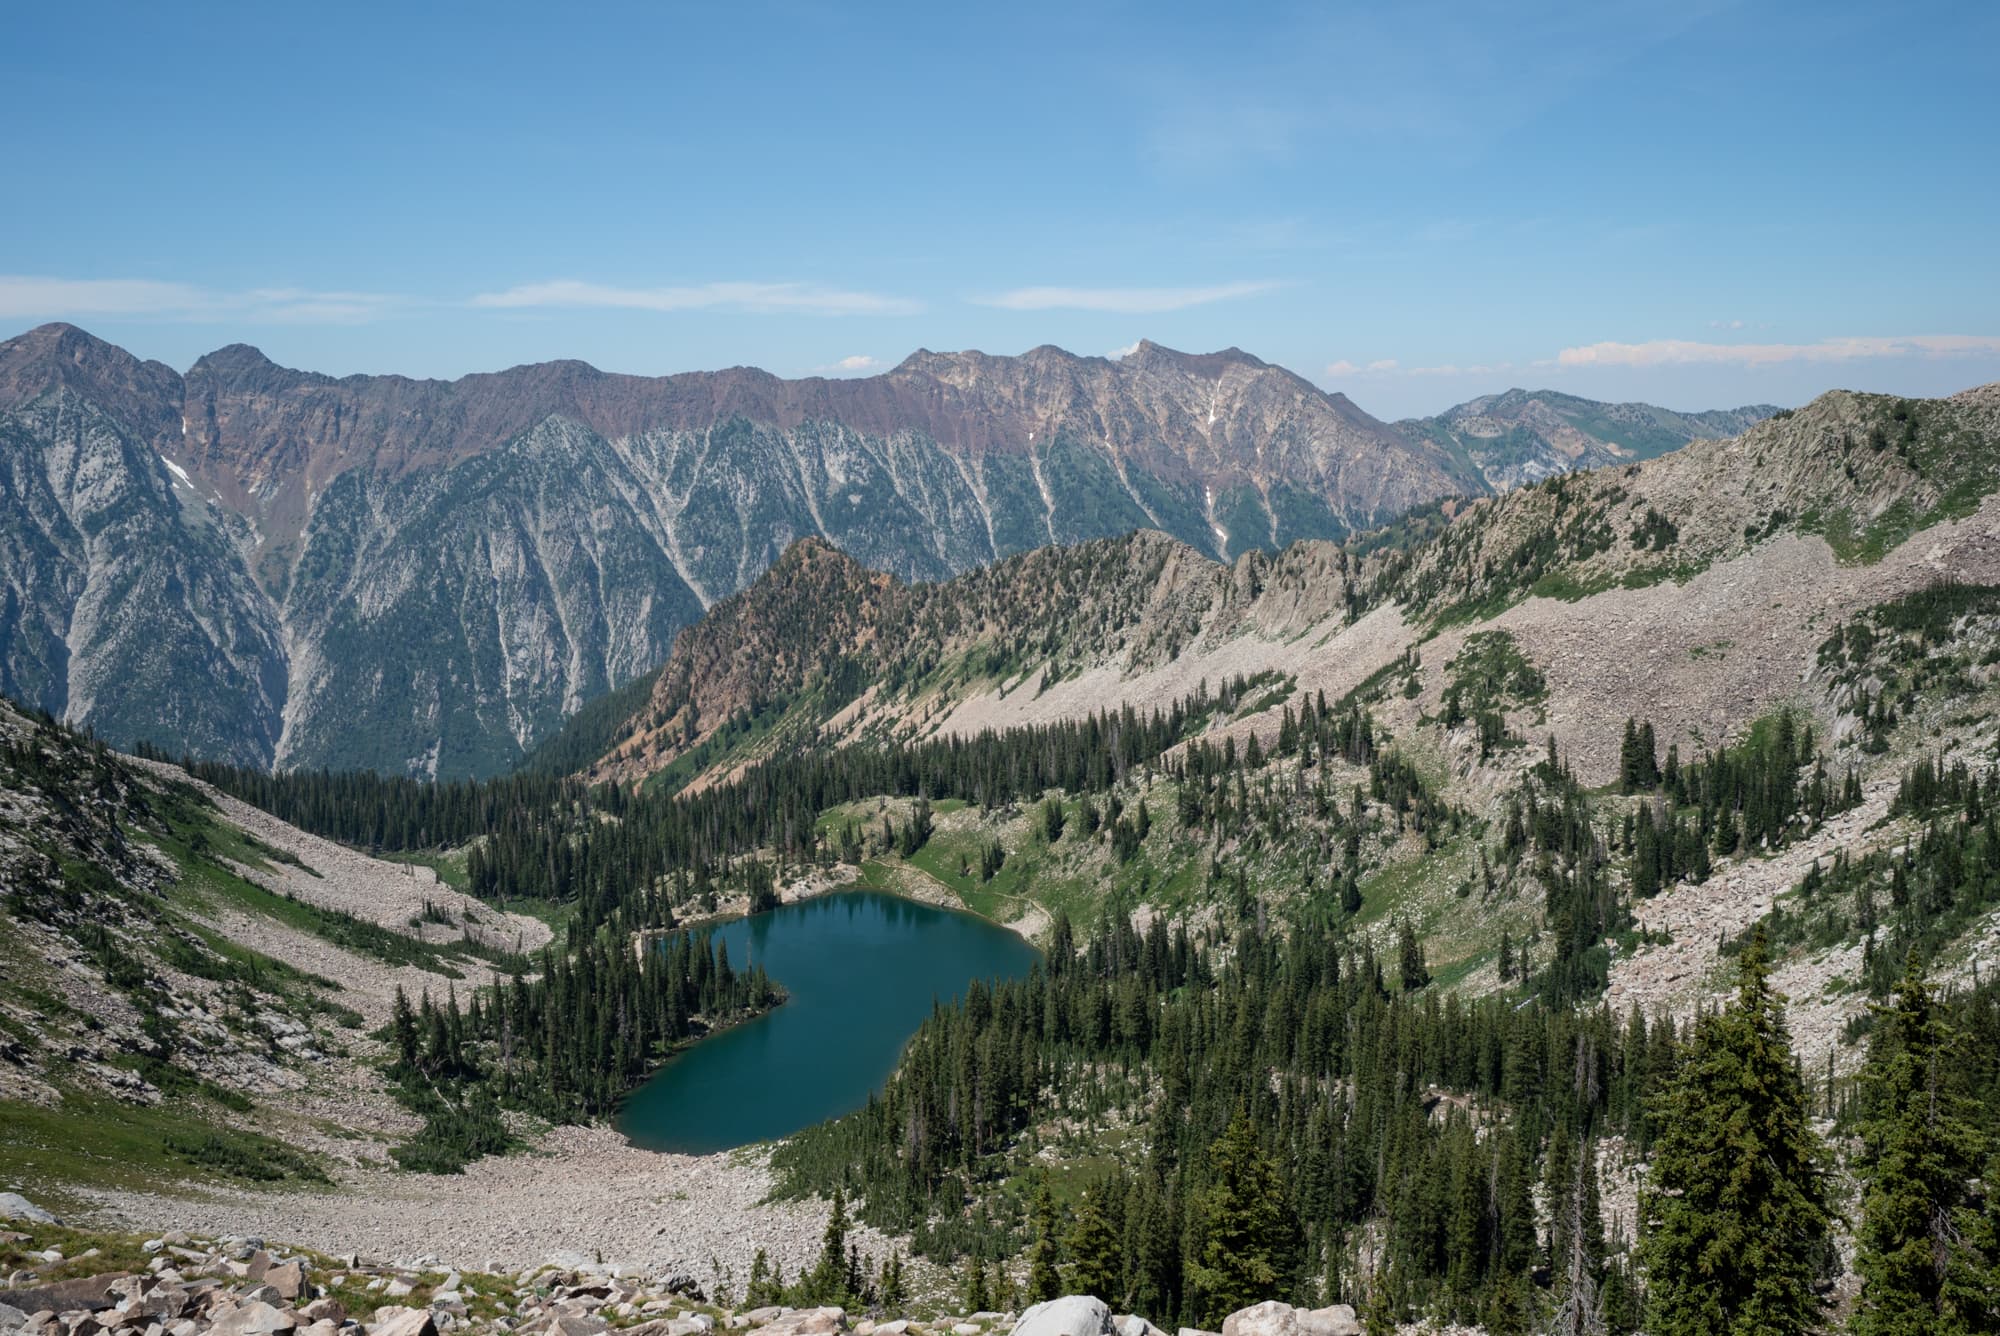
1523	436
1223	449
288	568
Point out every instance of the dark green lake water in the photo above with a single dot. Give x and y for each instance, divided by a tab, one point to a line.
862	969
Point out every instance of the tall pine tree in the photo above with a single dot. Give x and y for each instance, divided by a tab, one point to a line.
1248	1232
1095	1249
1737	1224
1044	1277
1925	1246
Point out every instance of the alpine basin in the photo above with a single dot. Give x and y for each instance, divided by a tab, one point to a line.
863	969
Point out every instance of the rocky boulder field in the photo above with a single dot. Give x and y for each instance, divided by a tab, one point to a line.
57	1281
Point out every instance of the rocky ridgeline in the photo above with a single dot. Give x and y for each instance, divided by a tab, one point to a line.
242	1287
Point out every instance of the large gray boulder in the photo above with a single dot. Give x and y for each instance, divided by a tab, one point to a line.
67	1296
557	1324
254	1319
1272	1318
1269	1318
13	1206
398	1321
806	1322
1071	1315
1130	1325
1333	1320
325	1310
288	1279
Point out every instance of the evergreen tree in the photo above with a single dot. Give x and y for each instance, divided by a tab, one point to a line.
1411	969
1925	1246
1248	1234
828	1281
766	1288
1737	1224
892	1287
1628	759
1507	1309
1095	1250
1044	1277
975	1295
403	1021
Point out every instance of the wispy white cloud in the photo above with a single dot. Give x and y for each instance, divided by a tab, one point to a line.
754	298
1686	352
849	366
1124	301
1120	354
1389	366
298	306
1725	324
30	296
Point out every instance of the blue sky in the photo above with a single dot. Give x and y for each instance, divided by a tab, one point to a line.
1696	203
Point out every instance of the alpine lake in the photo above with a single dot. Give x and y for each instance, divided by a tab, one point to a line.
862	970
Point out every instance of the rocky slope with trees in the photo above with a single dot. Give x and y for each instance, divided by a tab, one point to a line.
277	567
1439	924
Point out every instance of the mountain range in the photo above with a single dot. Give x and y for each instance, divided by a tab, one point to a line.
1692	589
281	568
1538	768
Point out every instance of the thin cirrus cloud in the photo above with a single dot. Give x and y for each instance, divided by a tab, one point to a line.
751	298
1124	301
1685	352
34	296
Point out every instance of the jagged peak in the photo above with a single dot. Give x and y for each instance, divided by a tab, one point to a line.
1146	355
555	369
810	549
931	362
60	356
239	361
59	333
1150	356
815	560
70	343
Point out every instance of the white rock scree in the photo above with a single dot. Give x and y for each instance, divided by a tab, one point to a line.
243	1287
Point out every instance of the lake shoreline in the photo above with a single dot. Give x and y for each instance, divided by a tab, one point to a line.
568	1194
864	969
912	884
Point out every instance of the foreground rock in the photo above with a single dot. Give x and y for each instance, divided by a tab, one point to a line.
1075	1315
1272	1318
238	1286
13	1206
